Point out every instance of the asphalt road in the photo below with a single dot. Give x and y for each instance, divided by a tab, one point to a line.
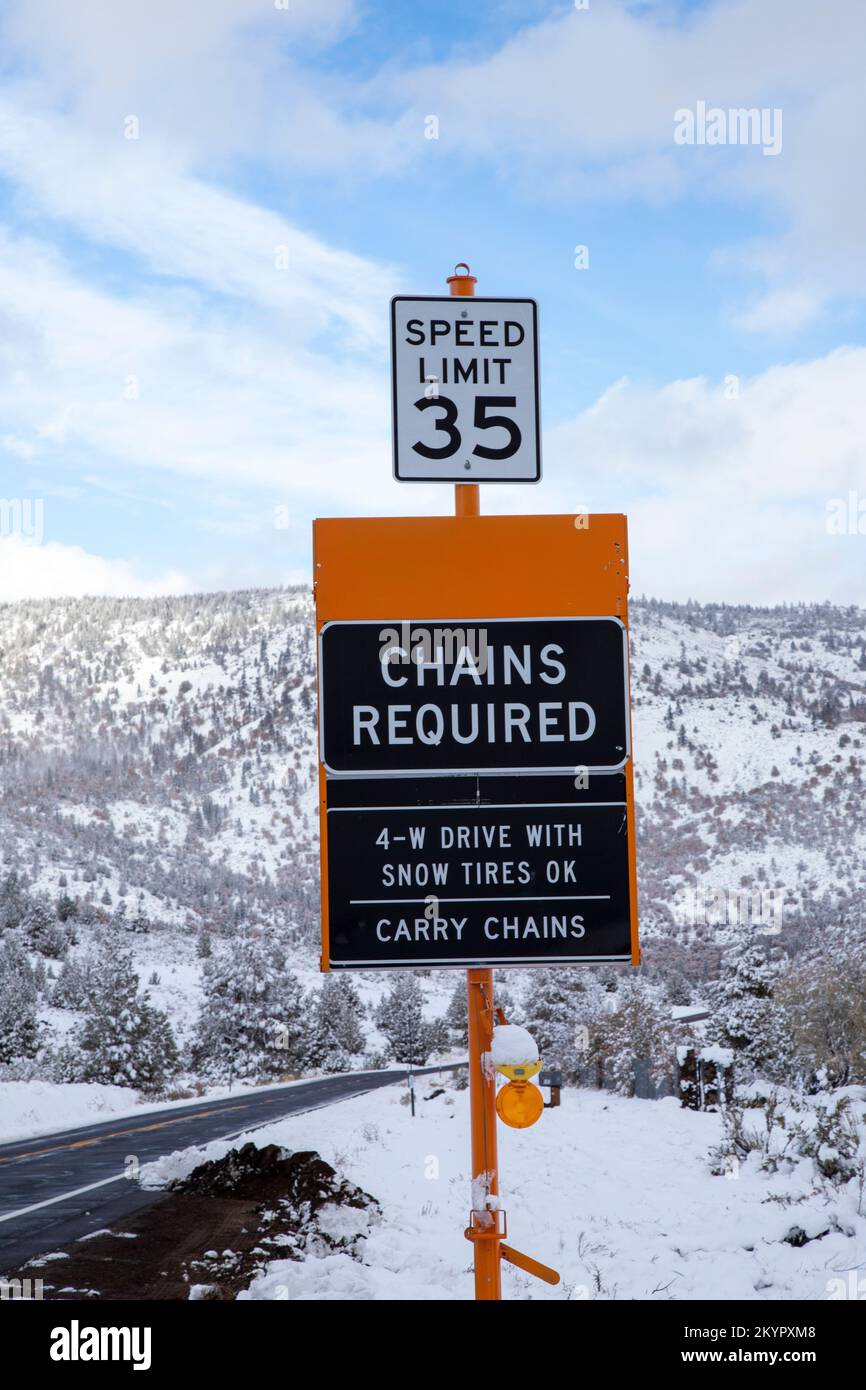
58	1187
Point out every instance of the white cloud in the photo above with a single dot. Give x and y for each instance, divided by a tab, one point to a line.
16	446
217	363
781	311
727	497
173	381
582	104
210	75
52	570
136	196
578	104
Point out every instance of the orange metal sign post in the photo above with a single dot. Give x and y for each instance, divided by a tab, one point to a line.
469	567
484	1228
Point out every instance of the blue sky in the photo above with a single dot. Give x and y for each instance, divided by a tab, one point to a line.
181	408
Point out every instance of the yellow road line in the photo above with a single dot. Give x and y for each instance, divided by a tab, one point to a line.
121	1133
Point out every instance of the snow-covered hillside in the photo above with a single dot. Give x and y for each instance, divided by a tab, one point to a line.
750	743
162	751
157	776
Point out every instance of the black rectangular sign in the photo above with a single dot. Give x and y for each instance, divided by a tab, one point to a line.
478	884
460	697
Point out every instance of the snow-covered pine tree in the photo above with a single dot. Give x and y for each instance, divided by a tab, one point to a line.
44	933
457	1013
13	900
124	1040
400	1016
439	1036
336	1034
139	921
66	907
255	1017
203	947
558	1011
18	996
549	1014
74	983
745	1016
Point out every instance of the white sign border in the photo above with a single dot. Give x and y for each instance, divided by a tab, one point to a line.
464	962
482	771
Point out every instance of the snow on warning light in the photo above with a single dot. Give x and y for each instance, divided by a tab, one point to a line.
512	1046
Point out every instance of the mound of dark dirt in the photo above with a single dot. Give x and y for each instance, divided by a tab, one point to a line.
273	1174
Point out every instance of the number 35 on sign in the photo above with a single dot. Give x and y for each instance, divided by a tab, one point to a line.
465	390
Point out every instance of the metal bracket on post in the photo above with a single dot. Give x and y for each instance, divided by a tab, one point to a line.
495	1229
528	1264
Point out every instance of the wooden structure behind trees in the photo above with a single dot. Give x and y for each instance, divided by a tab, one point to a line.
706	1082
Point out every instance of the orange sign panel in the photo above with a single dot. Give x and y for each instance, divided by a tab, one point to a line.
476	800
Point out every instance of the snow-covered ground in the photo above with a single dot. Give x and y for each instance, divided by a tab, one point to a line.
38	1107
29	1108
616	1194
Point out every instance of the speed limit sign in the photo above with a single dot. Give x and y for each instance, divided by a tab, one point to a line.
465	390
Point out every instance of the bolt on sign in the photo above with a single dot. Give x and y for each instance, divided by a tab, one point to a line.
476	801
465	390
